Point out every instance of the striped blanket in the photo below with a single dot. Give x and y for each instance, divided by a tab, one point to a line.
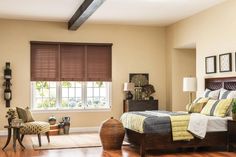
162	122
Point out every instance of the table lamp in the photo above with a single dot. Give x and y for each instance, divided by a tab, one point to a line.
190	85
128	87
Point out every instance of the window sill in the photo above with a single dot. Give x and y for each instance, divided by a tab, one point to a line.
68	110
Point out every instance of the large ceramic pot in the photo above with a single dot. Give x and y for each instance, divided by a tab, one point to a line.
112	134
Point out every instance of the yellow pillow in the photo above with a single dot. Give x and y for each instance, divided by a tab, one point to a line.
197	105
217	108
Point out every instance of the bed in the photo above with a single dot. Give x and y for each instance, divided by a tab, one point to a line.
153	141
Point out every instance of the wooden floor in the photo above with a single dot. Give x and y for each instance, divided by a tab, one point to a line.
98	152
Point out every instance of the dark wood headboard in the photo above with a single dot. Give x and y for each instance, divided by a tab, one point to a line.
228	83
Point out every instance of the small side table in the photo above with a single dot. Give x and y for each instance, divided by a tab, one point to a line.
16	136
231	135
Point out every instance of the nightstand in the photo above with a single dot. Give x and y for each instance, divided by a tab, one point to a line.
139	105
231	134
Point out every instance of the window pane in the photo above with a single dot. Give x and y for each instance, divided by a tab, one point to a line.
64	103
78	92
97	95
53	84
64	92
103	92
71	92
78	84
89	92
53	92
96	91
89	84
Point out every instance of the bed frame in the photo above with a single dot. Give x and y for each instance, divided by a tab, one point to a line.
151	141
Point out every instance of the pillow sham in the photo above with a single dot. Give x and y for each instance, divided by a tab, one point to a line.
217	108
213	94
226	94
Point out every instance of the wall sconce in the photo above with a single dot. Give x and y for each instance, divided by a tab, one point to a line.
7	84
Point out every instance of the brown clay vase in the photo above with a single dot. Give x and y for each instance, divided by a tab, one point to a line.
112	134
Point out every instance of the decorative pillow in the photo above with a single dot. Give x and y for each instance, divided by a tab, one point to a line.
217	108
29	115
197	105
211	94
226	94
22	114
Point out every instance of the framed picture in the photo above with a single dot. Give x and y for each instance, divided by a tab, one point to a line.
139	79
225	61
210	64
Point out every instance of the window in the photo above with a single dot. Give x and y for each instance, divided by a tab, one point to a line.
70	95
70	75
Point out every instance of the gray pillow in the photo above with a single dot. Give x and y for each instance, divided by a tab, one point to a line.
22	114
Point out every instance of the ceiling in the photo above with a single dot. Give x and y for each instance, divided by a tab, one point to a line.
130	12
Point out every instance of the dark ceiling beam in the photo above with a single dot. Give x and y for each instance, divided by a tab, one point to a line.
86	9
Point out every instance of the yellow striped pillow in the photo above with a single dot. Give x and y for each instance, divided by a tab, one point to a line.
217	108
197	105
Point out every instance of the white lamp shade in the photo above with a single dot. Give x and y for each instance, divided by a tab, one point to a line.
189	84
128	86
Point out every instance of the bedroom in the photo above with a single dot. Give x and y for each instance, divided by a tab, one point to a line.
210	32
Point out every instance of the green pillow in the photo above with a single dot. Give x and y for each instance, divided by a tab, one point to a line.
22	114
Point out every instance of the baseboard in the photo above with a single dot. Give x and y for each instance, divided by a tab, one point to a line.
84	129
72	130
3	132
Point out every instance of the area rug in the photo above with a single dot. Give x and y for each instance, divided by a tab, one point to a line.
68	141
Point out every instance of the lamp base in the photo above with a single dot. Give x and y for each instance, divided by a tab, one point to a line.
129	95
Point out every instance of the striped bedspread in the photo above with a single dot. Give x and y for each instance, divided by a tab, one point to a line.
162	122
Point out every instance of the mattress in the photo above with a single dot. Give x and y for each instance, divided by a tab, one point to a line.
217	124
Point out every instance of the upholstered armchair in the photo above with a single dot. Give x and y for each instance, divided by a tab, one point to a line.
32	127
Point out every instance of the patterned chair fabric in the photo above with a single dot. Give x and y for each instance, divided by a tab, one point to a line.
36	127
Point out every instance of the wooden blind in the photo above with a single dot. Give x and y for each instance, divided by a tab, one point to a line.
44	62
70	62
98	63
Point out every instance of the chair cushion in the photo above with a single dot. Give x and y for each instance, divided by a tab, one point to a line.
36	127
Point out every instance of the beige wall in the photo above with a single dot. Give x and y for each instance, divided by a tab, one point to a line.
135	49
214	33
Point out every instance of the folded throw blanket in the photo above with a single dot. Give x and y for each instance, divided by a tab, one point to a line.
179	126
198	125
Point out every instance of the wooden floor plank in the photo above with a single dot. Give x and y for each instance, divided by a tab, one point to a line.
126	151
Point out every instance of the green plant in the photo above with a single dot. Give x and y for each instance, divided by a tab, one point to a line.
234	107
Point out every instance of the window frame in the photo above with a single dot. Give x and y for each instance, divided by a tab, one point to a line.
58	107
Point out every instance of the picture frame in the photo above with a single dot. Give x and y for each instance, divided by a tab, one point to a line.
210	64
139	79
225	62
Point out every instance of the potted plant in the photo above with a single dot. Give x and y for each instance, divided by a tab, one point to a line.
234	111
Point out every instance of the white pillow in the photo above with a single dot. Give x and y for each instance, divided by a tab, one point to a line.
226	94
213	94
